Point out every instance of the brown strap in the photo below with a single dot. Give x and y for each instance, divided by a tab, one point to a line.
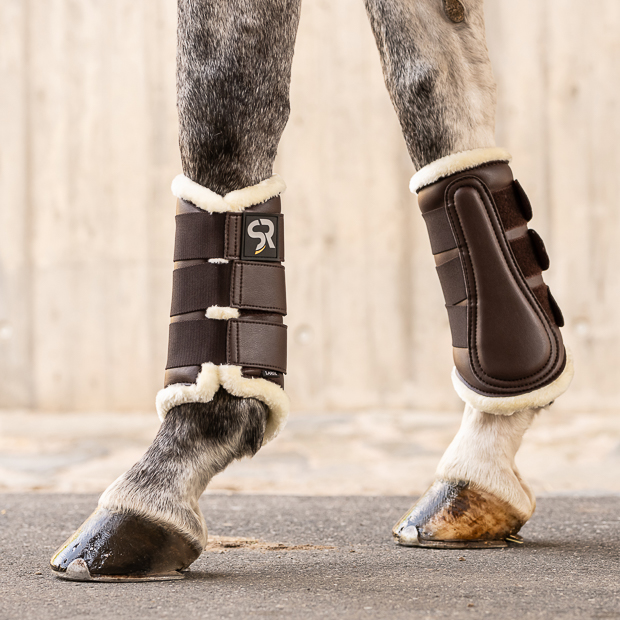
524	254
509	207
244	343
240	284
452	281
539	249
256	344
191	343
457	315
200	286
199	235
524	202
258	286
215	235
439	230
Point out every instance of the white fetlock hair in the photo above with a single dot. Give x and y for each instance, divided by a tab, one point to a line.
483	454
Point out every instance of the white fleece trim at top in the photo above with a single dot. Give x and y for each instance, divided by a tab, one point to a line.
186	189
210	379
457	162
507	405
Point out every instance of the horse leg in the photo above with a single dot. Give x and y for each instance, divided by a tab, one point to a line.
233	100
507	347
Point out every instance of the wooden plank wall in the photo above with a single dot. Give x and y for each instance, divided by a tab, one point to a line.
88	149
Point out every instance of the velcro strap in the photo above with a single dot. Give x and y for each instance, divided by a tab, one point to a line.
508	208
525	256
199	235
240	284
439	230
258	286
256	344
215	235
244	343
452	281
200	286
539	249
191	343
457	315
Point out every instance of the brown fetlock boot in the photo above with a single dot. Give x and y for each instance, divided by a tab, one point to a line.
508	351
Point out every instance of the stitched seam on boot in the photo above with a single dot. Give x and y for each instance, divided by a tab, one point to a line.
509	260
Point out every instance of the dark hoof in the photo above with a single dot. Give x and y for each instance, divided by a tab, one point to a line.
453	515
123	547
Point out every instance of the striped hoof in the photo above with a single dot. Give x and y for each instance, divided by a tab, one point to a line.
453	515
112	546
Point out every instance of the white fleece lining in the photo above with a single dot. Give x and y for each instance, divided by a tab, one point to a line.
186	189
507	405
457	162
221	313
209	380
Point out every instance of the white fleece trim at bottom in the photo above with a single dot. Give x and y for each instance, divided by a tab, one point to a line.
507	405
457	162
202	197
209	380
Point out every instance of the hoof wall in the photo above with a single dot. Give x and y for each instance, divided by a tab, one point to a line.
452	515
123	547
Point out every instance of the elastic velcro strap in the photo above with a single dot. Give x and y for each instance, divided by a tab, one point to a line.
457	315
244	343
256	344
525	256
240	284
439	230
200	286
215	235
524	202
452	281
199	236
258	286
549	304
539	249
191	343
509	207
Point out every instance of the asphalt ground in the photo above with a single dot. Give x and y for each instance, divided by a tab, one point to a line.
324	557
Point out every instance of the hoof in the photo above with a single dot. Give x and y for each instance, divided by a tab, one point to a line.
453	515
123	547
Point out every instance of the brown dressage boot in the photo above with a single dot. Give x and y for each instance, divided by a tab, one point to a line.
224	387
509	357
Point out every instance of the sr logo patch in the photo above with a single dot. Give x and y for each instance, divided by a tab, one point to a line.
260	237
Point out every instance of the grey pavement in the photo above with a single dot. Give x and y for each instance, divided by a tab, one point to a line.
347	566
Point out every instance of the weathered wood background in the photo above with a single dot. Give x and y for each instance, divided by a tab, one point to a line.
88	150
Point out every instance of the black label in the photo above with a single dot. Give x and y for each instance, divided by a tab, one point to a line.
260	237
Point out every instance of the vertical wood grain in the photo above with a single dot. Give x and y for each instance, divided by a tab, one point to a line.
88	148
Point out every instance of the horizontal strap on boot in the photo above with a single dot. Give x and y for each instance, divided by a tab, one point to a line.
439	230
254	344
203	235
240	284
452	281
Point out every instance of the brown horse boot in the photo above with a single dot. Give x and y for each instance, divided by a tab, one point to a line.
224	395
508	352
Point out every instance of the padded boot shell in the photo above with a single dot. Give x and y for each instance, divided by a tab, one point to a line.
111	546
504	322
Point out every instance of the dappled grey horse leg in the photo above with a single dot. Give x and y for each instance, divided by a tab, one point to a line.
234	65
438	73
233	73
